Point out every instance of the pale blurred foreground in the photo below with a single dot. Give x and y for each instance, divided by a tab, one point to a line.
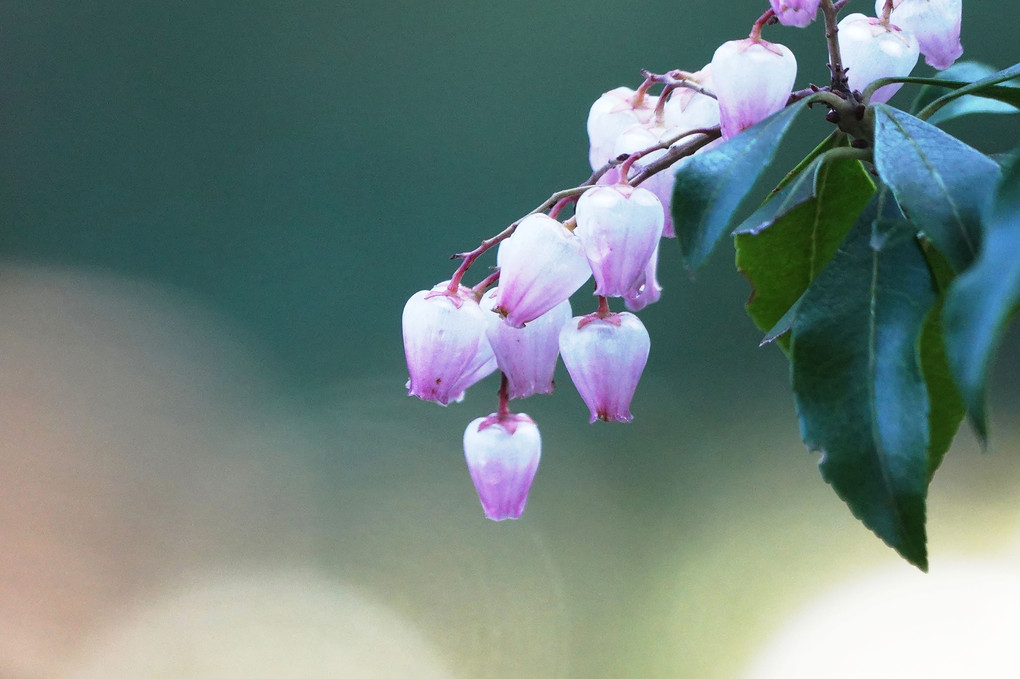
165	512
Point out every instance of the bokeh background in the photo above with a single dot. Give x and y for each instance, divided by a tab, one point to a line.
211	214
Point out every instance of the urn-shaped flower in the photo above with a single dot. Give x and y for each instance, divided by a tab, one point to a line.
605	358
527	356
445	344
540	265
502	453
873	50
753	79
935	24
611	114
620	227
798	13
640	137
646	290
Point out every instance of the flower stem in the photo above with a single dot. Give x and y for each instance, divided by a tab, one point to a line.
769	17
831	14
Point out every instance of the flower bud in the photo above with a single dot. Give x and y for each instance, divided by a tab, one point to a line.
502	453
445	344
646	290
527	356
620	228
610	115
637	138
605	358
872	50
798	13
935	24
540	265
753	79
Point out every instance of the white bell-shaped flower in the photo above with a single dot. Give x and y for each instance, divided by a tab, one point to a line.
502	454
610	115
620	227
873	50
687	109
798	13
445	343
638	138
527	356
605	358
935	24
540	265
646	290
753	79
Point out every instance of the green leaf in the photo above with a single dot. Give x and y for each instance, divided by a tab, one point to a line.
981	300
940	183
857	380
984	87
783	252
710	186
946	407
960	74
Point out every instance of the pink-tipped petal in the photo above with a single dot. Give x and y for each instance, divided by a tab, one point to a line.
753	79
502	454
527	356
647	290
445	344
798	13
605	358
540	265
638	138
620	228
872	50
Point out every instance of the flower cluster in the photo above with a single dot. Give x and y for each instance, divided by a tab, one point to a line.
519	320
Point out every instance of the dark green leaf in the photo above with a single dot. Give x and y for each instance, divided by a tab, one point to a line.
711	185
982	298
984	87
959	73
782	252
940	183
946	407
857	379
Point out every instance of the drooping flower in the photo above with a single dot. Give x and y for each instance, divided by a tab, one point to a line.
638	138
935	24
540	265
687	109
502	454
646	290
873	50
753	79
527	356
798	13
620	228
605	357
445	344
611	114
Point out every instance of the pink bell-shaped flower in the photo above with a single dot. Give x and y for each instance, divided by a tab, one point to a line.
798	13
540	265
646	290
935	24
502	453
445	343
753	79
873	50
638	138
605	357
610	115
527	356
620	227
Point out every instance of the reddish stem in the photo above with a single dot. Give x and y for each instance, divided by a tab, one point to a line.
504	397
769	17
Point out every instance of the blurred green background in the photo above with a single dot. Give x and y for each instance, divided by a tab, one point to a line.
211	215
